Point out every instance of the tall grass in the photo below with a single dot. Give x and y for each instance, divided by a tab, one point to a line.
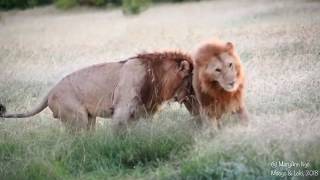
167	147
51	153
245	157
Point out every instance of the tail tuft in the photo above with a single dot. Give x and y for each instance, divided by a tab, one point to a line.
3	110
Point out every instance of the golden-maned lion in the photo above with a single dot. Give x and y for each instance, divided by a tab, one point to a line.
123	90
218	81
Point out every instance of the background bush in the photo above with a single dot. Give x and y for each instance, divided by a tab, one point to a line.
66	4
21	4
134	6
129	6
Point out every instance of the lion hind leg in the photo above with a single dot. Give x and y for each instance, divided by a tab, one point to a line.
70	111
74	117
76	120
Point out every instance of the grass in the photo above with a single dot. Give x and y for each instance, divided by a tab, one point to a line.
278	45
51	153
246	157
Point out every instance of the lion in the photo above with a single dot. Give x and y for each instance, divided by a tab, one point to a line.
219	82
123	91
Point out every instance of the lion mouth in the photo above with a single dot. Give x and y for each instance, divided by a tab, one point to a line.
230	88
214	82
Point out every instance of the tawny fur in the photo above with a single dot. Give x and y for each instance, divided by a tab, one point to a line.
124	90
213	98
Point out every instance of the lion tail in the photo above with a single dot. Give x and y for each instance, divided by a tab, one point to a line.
33	112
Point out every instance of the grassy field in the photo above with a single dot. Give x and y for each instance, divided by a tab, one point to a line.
279	44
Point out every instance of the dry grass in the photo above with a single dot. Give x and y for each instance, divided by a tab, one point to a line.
278	42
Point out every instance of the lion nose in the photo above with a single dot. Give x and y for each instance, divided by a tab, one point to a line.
231	83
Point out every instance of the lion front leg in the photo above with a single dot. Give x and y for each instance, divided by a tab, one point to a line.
243	115
120	120
125	115
209	120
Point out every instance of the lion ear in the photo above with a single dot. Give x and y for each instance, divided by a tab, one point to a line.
229	46
184	67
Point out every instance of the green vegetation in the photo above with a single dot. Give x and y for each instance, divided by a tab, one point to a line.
66	4
128	6
247	158
22	4
51	153
134	6
166	148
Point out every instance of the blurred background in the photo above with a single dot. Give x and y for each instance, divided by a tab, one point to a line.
41	41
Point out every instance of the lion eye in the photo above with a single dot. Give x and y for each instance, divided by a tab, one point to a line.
230	65
218	70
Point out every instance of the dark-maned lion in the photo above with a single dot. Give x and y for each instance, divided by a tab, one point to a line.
123	90
218	81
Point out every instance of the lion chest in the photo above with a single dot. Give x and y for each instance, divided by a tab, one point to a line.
218	104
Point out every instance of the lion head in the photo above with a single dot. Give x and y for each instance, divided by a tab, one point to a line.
176	80
218	80
169	76
219	66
